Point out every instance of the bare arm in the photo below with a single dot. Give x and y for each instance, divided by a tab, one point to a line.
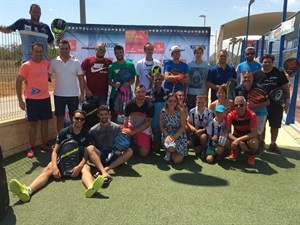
81	86
5	30
19	82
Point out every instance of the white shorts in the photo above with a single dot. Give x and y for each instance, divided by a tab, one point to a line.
261	122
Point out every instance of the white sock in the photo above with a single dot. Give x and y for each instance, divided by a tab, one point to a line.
29	190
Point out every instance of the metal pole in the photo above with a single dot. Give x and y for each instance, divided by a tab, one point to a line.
82	11
248	21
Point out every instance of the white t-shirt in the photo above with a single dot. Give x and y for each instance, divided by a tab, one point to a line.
142	70
66	76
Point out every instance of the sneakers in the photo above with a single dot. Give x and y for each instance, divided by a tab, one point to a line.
251	160
30	153
46	148
168	156
274	148
94	187
19	189
233	154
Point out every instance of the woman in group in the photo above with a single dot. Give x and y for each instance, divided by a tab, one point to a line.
172	124
222	100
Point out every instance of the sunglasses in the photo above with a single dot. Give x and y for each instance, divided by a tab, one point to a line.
246	71
100	50
238	105
172	100
249	53
79	119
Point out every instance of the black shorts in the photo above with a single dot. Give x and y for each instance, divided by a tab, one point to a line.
61	103
275	113
38	109
191	101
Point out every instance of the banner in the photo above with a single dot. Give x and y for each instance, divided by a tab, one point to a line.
84	37
286	27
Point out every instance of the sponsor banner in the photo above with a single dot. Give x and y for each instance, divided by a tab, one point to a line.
285	28
84	37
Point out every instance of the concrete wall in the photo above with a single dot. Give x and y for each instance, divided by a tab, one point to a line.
14	135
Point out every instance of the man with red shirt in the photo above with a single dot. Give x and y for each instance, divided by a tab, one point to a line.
244	136
95	70
37	99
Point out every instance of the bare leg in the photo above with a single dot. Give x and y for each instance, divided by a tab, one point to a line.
87	178
42	179
44	130
94	156
274	134
32	132
120	160
60	123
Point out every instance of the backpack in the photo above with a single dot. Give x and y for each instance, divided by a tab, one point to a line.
90	107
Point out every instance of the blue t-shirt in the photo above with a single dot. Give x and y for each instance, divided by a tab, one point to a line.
31	33
218	76
180	67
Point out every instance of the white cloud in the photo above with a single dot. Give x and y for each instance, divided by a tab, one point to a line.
240	8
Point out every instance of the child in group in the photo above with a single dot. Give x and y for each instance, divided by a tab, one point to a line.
216	133
197	121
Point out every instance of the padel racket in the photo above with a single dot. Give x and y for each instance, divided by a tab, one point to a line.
58	26
278	95
121	143
291	66
124	75
257	95
231	85
155	70
179	75
67	156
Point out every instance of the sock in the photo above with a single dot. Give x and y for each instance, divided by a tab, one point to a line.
29	190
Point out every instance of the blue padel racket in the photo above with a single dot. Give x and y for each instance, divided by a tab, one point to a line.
124	75
121	143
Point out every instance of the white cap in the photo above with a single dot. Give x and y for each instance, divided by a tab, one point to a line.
175	48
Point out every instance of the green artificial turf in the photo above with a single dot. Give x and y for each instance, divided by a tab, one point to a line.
152	191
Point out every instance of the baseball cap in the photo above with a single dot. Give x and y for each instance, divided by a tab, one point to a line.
220	108
175	48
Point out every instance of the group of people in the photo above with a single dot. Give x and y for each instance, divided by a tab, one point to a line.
170	109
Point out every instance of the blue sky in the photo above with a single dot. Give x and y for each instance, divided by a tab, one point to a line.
144	12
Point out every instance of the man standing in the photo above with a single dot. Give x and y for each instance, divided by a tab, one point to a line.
249	63
83	138
144	65
218	75
103	135
31	30
95	70
198	70
244	134
172	69
68	74
38	106
113	80
138	117
157	96
270	78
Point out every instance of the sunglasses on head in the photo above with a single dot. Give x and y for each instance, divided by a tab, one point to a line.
79	119
238	105
246	71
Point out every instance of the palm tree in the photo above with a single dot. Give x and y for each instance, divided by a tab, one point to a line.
233	41
238	50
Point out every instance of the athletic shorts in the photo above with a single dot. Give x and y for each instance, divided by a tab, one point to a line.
61	103
156	134
275	113
143	140
191	101
38	109
261	122
103	157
